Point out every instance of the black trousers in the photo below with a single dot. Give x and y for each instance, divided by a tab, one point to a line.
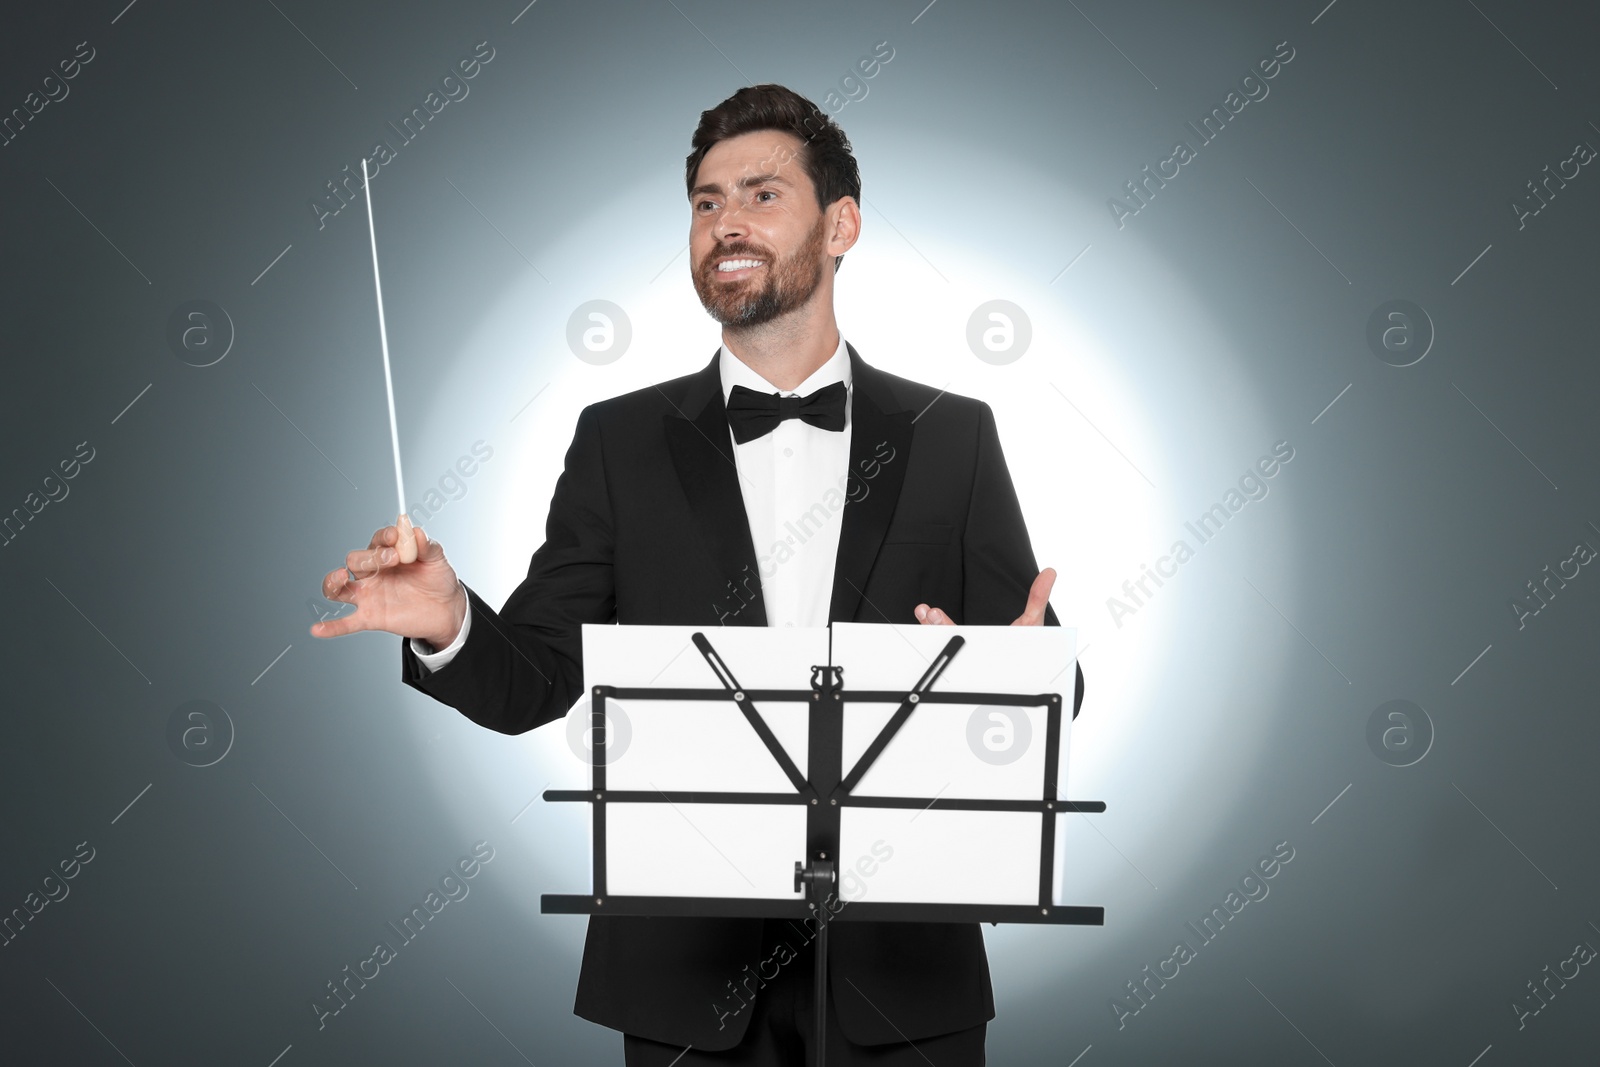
782	1030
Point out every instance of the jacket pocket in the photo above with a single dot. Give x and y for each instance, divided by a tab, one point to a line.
919	533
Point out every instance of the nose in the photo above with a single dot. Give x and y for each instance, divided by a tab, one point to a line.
729	224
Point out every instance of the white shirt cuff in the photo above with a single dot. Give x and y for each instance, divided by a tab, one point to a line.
434	660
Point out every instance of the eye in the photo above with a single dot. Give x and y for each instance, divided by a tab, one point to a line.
702	204
765	192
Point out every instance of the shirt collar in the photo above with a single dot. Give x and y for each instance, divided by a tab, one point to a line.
735	371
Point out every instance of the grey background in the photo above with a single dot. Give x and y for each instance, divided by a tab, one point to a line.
1233	716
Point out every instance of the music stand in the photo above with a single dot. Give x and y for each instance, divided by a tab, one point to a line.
857	779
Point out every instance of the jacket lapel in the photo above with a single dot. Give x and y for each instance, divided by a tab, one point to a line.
877	422
702	452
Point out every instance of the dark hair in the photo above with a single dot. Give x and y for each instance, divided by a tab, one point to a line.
824	152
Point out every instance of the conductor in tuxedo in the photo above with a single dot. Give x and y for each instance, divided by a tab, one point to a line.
786	483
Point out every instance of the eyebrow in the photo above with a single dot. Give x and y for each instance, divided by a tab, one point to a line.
744	183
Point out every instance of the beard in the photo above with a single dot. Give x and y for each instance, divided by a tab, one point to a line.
779	287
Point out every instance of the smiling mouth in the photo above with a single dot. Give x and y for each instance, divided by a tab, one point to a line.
738	268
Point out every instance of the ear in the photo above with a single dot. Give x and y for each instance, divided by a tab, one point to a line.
843	225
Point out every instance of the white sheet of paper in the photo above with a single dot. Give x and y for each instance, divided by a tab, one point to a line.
949	751
669	849
939	857
704	850
957	750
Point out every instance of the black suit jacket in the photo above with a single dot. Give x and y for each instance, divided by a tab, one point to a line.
647	526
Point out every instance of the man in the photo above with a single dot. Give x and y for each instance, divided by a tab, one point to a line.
681	504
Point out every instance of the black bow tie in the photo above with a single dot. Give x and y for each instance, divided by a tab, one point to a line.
752	414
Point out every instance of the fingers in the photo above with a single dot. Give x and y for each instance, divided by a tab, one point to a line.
428	550
344	624
338	585
388	537
361	563
1032	612
366	562
1038	598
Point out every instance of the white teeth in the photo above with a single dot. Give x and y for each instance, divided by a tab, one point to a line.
737	264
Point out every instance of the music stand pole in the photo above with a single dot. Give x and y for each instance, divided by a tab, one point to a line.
818	881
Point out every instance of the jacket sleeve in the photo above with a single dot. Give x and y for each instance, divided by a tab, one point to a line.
522	666
998	564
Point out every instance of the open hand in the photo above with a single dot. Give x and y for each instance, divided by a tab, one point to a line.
1032	614
424	599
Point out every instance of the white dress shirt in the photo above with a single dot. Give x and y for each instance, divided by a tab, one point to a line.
794	482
